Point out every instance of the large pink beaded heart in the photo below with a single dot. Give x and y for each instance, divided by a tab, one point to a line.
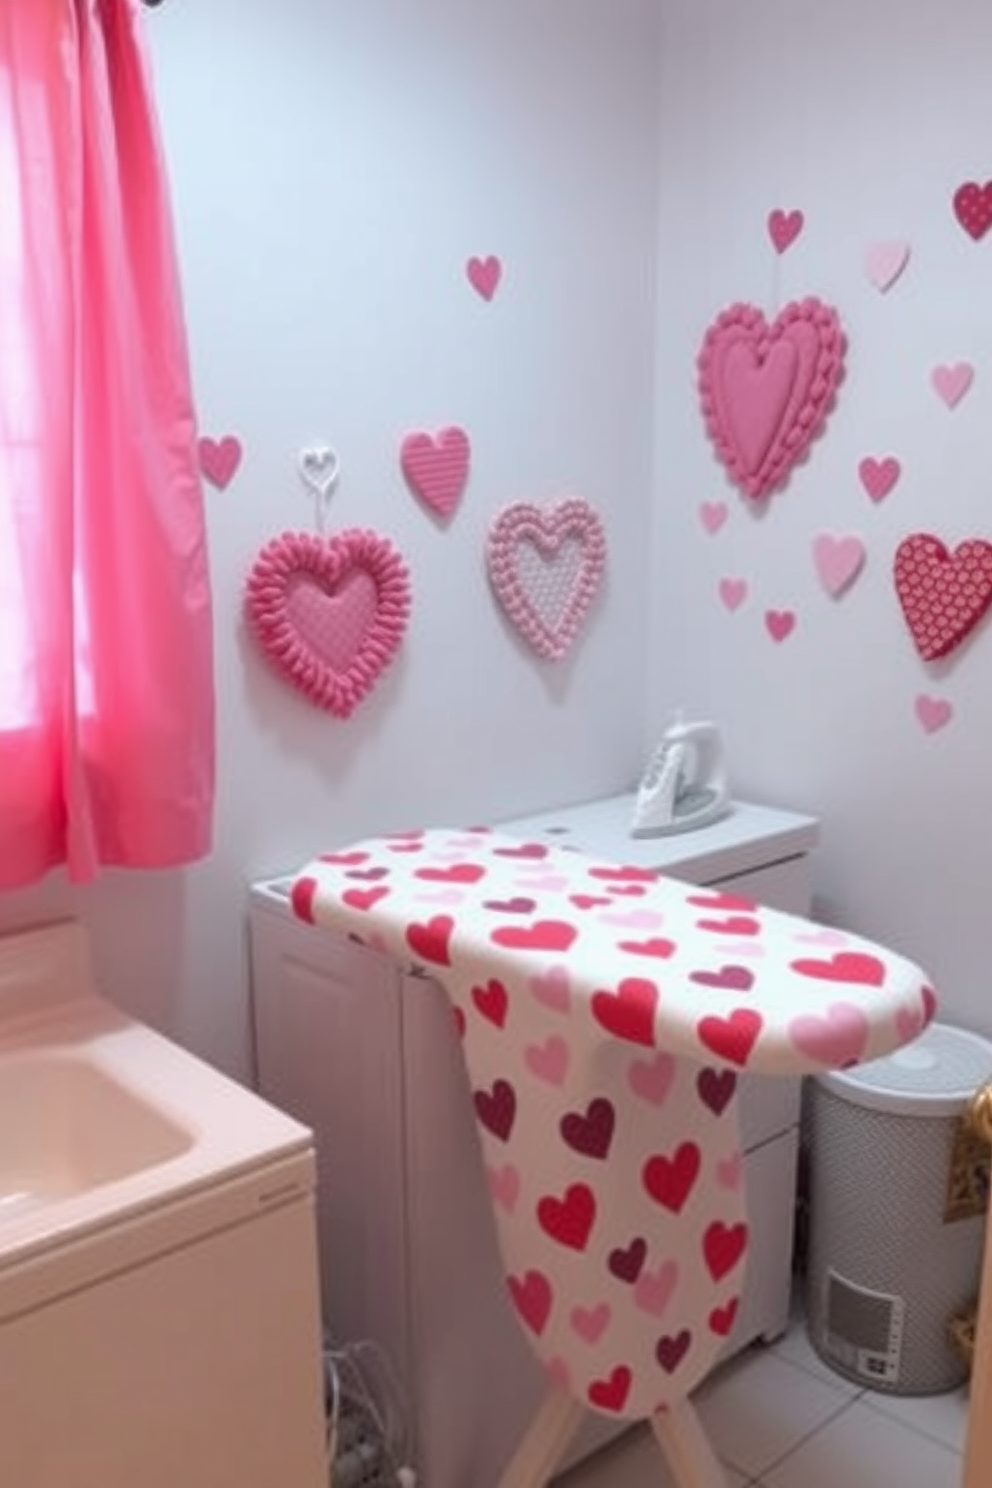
329	612
766	390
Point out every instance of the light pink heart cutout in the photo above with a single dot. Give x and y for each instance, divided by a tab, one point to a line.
932	713
329	613
838	560
219	459
766	390
951	383
784	228
780	624
879	476
545	567
733	592
836	1038
484	275
713	514
884	262
436	467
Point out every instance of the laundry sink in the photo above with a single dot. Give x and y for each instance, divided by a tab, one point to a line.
68	1126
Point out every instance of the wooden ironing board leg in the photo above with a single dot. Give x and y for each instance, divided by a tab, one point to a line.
686	1447
542	1447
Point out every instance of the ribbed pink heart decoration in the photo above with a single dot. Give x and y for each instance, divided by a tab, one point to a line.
545	566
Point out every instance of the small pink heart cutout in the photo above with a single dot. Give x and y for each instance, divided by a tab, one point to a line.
219	459
484	275
436	467
545	567
838	560
766	390
329	613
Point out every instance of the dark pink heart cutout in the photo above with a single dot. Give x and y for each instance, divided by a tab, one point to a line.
545	567
436	467
484	275
219	459
329	613
766	390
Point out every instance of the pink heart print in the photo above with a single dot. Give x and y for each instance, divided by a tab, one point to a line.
780	624
784	228
766	389
838	560
329	613
484	275
836	1038
545	566
219	459
879	476
884	262
950	383
436	467
973	208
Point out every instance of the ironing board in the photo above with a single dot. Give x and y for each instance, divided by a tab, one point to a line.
604	1014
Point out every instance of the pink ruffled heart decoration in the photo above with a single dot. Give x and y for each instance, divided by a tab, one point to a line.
329	612
545	567
766	390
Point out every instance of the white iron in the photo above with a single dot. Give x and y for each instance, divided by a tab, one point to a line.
685	783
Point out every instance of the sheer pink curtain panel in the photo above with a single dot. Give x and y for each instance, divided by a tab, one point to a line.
106	666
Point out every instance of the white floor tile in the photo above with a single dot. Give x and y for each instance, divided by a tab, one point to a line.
796	1347
862	1448
760	1406
632	1462
942	1417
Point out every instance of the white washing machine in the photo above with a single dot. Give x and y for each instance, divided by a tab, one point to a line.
367	1056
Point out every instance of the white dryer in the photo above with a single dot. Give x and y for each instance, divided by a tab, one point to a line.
367	1056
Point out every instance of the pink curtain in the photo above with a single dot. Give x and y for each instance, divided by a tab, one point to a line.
106	668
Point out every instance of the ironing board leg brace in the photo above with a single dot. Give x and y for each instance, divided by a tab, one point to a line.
604	1014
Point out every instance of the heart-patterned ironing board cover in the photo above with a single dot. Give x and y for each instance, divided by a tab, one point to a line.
604	1014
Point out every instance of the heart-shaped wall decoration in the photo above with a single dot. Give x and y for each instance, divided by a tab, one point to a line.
545	566
766	390
329	612
220	458
436	467
943	595
973	207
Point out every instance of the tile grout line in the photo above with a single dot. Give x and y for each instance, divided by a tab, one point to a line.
801	1441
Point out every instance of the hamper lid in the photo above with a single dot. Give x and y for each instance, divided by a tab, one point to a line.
935	1075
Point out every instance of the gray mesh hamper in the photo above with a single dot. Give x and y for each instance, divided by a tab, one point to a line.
886	1270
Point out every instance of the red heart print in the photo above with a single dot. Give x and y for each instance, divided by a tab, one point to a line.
732	1038
492	1001
587	901
497	1109
722	901
532	1297
728	978
458	873
405	847
625	874
368	875
973	208
611	1394
523	850
436	467
733	925
344	859
363	898
845	966
626	889
590	1132
432	941
722	1318
628	1013
569	1220
723	1246
301	898
670	1180
626	1262
766	389
671	1351
716	1089
543	935
943	595
655	947
511	906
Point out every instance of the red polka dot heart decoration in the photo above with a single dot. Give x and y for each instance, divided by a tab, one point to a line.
329	613
766	389
943	594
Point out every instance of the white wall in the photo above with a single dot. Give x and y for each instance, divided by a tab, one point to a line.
867	117
333	168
